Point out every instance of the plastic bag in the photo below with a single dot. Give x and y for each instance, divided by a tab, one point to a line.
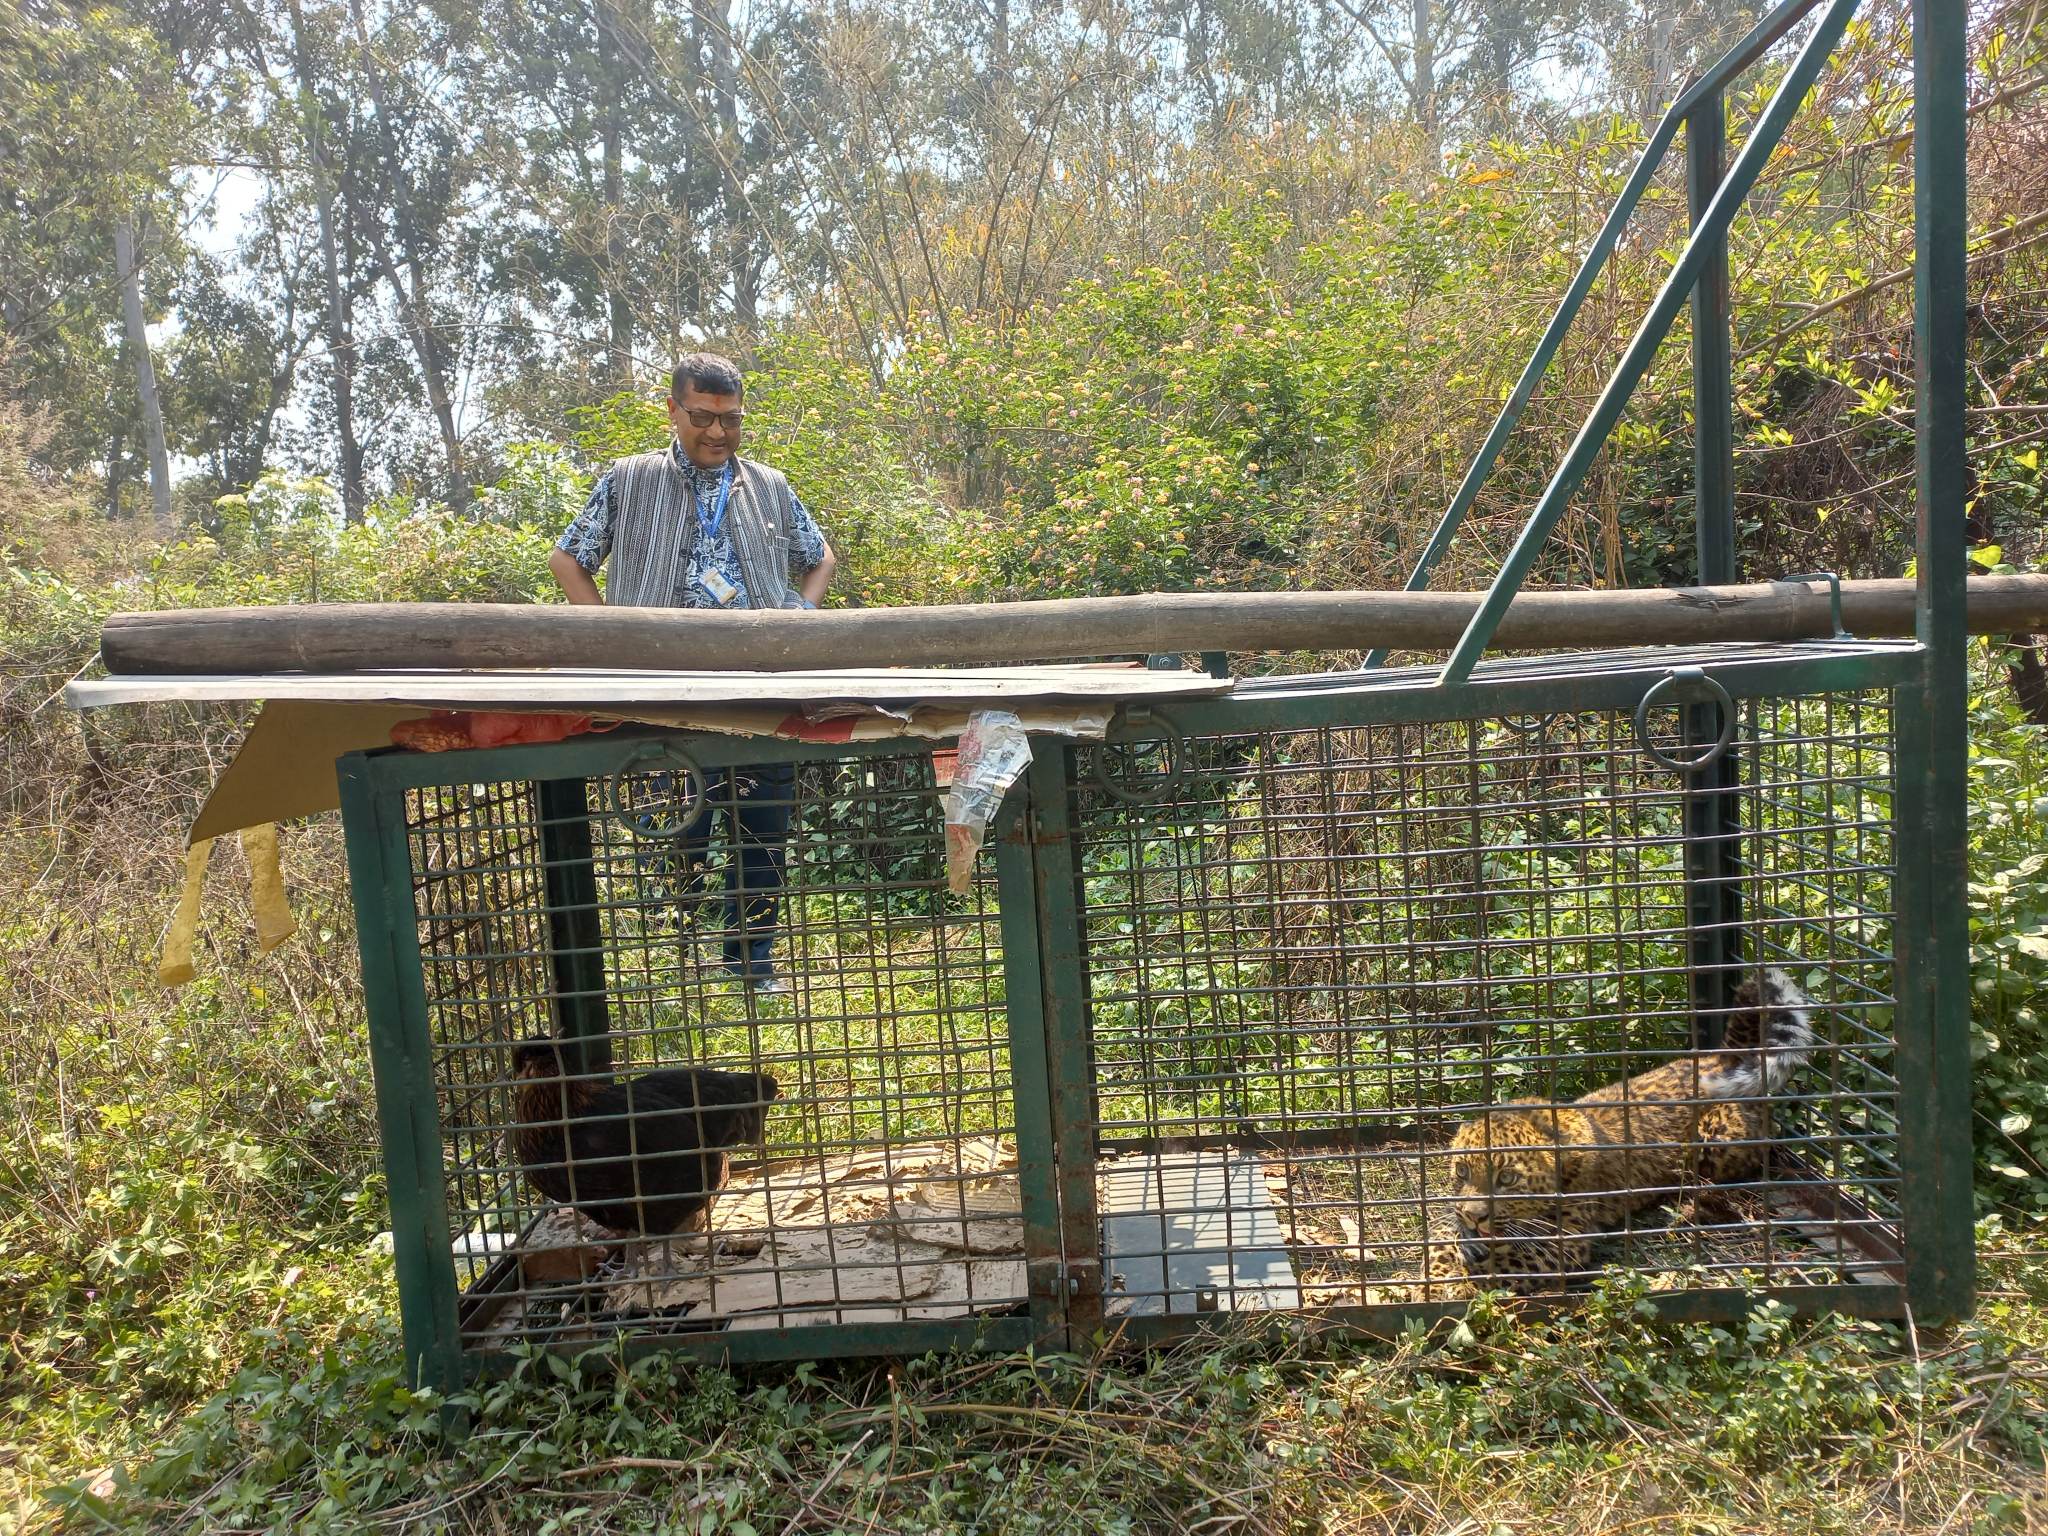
993	754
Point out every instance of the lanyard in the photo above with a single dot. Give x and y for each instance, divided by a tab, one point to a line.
716	520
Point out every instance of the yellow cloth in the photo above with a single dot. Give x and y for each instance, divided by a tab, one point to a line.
266	887
174	965
274	923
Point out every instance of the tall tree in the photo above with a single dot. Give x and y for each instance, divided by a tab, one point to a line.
190	34
611	89
338	310
402	252
1650	46
733	247
246	322
1467	62
97	121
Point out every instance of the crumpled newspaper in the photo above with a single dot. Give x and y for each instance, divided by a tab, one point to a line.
993	753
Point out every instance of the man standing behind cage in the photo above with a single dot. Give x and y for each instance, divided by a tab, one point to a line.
697	526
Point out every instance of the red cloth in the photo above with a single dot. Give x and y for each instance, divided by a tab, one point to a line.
797	728
452	730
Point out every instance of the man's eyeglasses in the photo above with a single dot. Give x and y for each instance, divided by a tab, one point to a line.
730	420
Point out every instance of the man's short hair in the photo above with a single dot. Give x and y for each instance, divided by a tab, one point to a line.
709	373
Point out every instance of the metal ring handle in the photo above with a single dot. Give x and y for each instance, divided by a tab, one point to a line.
655	757
1156	785
1696	681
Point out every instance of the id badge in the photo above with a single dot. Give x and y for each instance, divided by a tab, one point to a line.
721	590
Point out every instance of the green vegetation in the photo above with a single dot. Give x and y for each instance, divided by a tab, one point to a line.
1597	1424
1095	324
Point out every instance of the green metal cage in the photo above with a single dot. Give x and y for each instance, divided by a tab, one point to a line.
1192	1046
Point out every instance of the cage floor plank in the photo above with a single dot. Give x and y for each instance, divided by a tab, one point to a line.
927	1230
1192	1231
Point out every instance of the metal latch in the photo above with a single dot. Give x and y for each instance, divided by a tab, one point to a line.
1807	578
1055	1278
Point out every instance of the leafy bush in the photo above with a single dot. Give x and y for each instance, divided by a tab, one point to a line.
2009	953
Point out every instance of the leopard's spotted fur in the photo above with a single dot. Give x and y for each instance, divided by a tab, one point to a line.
1536	1185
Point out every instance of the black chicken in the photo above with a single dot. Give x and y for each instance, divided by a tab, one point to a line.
645	1155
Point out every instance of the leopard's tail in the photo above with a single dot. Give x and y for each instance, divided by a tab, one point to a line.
1768	1038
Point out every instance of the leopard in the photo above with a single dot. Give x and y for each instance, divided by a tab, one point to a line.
1538	1185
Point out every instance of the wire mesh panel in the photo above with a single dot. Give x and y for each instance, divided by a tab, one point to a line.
480	892
716	1051
1380	1013
1818	881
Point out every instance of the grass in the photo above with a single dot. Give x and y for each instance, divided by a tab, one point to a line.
1603	1423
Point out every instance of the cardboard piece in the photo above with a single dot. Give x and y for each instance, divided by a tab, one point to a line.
285	767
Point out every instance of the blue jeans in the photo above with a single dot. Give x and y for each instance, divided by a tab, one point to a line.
752	806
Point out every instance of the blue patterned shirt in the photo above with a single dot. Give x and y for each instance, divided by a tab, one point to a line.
589	539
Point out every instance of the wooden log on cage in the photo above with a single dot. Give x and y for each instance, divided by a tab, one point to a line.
357	637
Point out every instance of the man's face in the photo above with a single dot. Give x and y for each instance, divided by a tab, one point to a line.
712	444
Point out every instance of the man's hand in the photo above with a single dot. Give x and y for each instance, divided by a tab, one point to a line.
574	581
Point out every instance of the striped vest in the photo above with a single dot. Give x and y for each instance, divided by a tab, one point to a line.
654	524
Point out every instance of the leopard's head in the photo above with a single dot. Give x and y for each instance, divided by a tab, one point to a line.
1509	1172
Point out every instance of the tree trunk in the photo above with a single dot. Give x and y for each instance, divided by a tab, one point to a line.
738	245
413	301
128	264
341	346
419	325
1660	64
115	479
1422	82
609	88
291	350
2024	672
